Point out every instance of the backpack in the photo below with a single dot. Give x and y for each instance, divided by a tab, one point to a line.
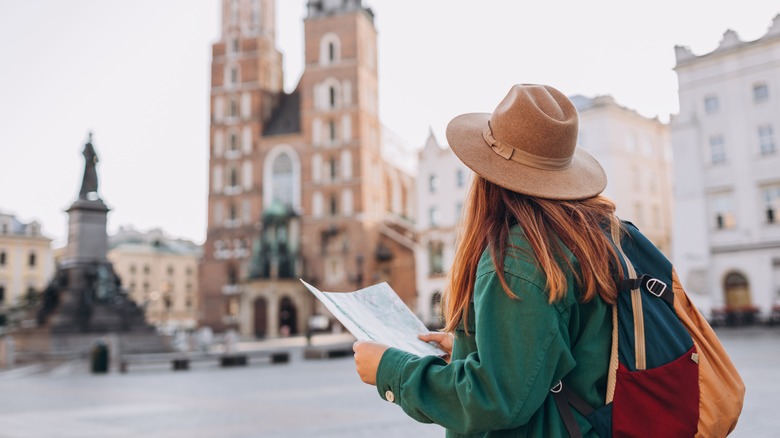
669	375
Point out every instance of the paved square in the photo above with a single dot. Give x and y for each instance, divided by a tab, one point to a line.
304	398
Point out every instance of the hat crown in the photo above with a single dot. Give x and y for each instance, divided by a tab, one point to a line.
538	120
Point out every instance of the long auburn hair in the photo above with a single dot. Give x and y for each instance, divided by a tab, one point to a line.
492	210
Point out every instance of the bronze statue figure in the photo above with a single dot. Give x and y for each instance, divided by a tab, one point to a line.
89	184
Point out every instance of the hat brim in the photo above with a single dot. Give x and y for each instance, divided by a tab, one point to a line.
584	178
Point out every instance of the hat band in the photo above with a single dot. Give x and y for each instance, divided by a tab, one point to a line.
509	152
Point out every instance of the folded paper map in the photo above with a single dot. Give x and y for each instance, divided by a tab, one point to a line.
376	313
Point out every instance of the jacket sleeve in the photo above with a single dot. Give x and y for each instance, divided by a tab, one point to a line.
521	350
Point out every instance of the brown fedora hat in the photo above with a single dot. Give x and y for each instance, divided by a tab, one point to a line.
529	145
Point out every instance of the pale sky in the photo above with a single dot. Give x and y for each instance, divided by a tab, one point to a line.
136	73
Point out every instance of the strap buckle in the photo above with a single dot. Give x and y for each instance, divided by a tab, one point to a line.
557	388
652	285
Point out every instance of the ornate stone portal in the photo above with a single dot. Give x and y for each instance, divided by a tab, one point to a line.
85	301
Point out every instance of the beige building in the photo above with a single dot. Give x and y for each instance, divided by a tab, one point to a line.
300	184
727	173
635	152
26	260
443	182
160	274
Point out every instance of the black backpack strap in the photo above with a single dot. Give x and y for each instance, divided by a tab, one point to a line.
653	285
565	400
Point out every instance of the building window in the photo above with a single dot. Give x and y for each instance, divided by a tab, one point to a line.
460	178
458	210
233	75
330	48
334	169
2	293
435	258
2	258
772	204
434	216
146	269
233	214
31	259
132	269
234	11
717	150
233	142
723	211
334	205
631	141
233	177
711	104
332	131
760	93
282	179
433	183
766	139
234	45
233	107
170	270
132	287
146	287
332	97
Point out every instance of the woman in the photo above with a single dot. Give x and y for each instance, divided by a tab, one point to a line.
527	302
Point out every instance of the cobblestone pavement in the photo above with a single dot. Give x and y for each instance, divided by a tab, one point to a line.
304	398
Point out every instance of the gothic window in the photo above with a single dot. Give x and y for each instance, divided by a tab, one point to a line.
332	131
334	205
233	177
330	49
334	168
234	11
233	213
282	179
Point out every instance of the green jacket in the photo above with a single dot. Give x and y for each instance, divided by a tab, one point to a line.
498	381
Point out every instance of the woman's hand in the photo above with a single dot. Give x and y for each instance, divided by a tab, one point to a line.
367	357
443	339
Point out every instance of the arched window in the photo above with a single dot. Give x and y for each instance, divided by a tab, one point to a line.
330	49
233	177
282	179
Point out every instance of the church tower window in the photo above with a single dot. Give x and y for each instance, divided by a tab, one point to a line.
282	179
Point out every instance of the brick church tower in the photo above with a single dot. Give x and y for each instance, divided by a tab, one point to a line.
299	186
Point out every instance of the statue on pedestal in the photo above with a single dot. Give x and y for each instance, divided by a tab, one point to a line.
89	184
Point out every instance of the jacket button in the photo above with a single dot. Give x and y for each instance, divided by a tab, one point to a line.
389	396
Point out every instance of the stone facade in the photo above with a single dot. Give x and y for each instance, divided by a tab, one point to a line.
159	273
308	164
26	260
635	152
442	186
727	173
